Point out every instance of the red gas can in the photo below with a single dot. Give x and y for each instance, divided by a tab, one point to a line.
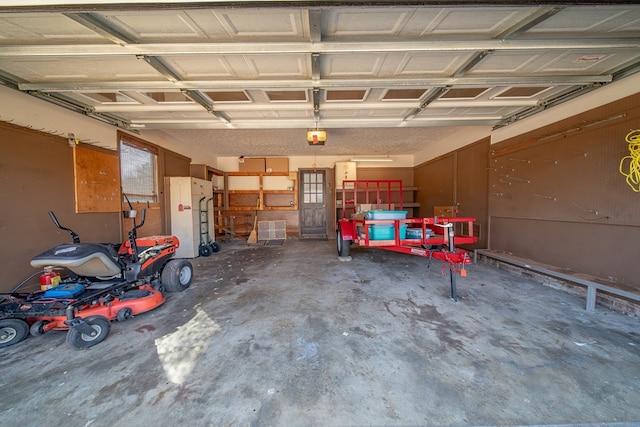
49	279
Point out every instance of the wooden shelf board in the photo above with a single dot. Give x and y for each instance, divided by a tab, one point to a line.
257	173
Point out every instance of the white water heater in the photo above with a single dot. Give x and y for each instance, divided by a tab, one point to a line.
186	217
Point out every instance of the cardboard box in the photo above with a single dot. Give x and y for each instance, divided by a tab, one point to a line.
277	164
366	207
253	165
444	211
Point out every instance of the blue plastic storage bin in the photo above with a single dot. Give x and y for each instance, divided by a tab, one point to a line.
416	233
387	215
386	232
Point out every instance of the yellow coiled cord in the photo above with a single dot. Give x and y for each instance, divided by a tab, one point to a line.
632	173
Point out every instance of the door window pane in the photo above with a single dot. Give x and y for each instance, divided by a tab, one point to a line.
313	189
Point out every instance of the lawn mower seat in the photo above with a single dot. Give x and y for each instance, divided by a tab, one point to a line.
84	259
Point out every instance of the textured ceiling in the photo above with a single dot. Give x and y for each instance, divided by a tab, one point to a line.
292	142
406	75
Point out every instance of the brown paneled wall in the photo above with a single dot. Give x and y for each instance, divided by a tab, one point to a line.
457	179
404	174
37	176
556	195
36	170
435	180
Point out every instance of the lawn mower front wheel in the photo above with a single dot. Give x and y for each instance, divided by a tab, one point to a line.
78	338
37	328
177	275
12	331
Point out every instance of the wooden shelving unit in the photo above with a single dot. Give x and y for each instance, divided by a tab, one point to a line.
261	195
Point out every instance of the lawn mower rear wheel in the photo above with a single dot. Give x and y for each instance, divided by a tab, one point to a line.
12	331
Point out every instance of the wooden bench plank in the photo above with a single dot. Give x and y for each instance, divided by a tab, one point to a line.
593	284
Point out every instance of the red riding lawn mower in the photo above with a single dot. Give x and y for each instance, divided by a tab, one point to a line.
99	283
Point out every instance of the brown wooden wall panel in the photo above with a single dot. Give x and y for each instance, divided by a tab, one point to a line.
243	200
403	174
36	170
556	195
435	181
472	186
278	200
457	179
600	250
175	164
573	177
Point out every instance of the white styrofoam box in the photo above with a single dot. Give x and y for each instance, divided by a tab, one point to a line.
272	230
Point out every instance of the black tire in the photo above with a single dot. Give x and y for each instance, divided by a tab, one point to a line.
12	331
215	247
205	250
343	245
124	314
177	275
101	327
37	328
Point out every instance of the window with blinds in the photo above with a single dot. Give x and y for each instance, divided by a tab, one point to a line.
139	172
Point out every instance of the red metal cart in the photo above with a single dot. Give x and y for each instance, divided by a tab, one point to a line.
433	238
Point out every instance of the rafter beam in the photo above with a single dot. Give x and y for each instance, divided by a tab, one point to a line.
315	25
205	102
304	105
531	21
95	24
160	66
431	97
309	123
9	80
179	49
315	67
472	62
111	86
567	95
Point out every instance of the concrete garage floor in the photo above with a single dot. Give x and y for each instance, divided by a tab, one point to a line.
291	336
